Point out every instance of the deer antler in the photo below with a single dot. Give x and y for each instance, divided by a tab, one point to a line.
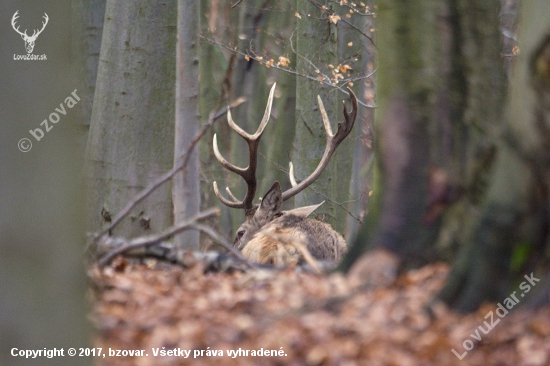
248	173
333	140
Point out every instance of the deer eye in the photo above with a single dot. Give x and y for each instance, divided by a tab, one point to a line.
240	234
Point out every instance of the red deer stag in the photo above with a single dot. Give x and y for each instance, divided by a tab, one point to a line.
271	236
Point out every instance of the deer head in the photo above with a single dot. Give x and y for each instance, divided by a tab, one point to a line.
257	216
29	40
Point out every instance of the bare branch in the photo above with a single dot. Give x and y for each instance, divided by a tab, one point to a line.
223	242
145	241
326	79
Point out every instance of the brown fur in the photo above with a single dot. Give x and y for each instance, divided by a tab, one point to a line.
273	244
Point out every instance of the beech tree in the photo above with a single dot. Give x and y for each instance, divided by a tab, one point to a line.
186	188
131	138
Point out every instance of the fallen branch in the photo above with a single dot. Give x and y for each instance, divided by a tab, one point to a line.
218	238
149	240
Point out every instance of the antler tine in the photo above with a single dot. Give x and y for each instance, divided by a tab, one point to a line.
234	203
333	140
227	165
291	174
262	125
324	116
230	194
267	113
349	117
225	201
248	173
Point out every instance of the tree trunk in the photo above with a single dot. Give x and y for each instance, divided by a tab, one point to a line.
88	23
186	187
407	81
131	134
278	140
43	285
514	210
360	51
316	44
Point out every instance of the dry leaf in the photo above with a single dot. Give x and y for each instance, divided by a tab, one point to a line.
344	68
334	18
283	61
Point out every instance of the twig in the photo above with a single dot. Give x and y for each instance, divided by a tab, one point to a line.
223	242
237	3
320	7
296	73
166	176
144	241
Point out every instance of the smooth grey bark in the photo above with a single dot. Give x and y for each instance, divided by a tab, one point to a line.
132	130
88	16
185	185
212	69
279	138
42	276
360	55
211	60
316	43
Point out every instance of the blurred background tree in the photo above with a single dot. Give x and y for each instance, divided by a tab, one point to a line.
42	228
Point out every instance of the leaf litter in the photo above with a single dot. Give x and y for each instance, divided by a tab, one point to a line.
314	319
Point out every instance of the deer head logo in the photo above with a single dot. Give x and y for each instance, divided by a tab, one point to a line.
29	40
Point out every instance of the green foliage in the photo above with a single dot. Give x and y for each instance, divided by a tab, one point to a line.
520	255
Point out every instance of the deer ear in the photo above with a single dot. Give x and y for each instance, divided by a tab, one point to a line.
303	211
273	199
271	204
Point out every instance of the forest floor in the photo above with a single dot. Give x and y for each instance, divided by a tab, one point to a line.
304	319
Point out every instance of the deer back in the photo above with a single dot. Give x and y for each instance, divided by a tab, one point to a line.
279	241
